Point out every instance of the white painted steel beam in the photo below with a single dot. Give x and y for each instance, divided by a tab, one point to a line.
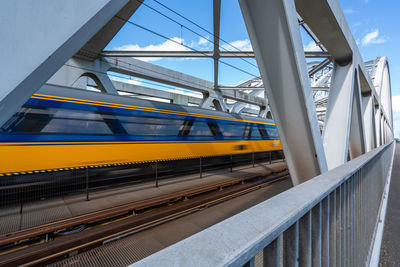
93	48
369	122
327	22
38	38
274	33
357	134
338	115
378	126
195	54
138	68
175	98
216	23
219	103
75	68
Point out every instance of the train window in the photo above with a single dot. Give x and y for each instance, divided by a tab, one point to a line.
115	126
150	126
200	128
255	133
263	132
214	128
59	113
184	130
247	131
68	126
77	114
152	129
272	132
34	110
232	130
37	119
25	124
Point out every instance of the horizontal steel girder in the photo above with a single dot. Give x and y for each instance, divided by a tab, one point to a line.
138	68
194	54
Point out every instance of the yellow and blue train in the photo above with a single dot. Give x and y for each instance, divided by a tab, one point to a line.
58	129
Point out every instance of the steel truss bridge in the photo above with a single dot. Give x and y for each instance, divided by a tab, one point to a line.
332	110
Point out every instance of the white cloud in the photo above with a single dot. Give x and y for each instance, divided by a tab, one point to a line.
173	44
125	80
204	43
396	115
349	11
312	46
185	92
243	45
372	38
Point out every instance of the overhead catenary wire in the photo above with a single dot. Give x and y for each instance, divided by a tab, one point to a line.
191	48
197	25
196	33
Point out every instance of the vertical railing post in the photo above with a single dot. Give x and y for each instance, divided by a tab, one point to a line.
272	253
156	173
252	155
201	170
250	263
290	248
332	228
305	240
87	183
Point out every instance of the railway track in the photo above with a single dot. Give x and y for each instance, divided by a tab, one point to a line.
60	239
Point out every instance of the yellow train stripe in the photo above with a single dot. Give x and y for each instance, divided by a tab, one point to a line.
16	159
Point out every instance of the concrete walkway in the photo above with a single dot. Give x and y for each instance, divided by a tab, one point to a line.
49	210
390	249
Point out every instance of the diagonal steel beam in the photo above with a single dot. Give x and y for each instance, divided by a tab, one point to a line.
338	115
320	66
274	33
333	31
75	27
92	49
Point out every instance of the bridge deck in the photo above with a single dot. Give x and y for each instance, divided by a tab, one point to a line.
390	250
14	218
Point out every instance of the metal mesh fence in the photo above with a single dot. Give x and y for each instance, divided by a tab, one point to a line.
43	185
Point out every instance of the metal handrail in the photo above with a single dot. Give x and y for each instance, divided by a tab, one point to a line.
327	220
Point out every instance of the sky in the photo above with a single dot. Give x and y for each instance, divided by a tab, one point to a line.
375	26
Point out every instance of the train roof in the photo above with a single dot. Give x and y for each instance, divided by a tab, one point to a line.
70	92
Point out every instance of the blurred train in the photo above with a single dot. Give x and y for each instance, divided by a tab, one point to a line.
59	129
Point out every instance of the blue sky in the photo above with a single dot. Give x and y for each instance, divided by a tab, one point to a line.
377	16
379	20
374	23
